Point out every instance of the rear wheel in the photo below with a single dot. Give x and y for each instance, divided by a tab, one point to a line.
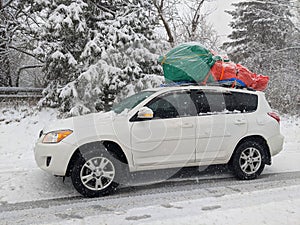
248	161
96	174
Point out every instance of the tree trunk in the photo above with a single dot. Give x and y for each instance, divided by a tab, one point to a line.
5	73
159	8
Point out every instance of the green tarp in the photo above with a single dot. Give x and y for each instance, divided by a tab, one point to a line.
188	62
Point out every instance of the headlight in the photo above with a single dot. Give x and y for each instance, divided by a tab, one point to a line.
56	136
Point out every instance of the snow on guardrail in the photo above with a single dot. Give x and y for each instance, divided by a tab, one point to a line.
7	93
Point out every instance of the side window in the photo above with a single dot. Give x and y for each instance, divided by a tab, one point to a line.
241	102
173	105
216	102
201	103
209	102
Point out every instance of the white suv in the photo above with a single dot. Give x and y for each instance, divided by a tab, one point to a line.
167	127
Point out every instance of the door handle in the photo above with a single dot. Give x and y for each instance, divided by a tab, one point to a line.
240	122
187	125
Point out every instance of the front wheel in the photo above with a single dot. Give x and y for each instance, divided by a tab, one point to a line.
95	174
248	161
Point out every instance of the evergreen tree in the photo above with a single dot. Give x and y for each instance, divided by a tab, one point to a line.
95	51
258	28
265	39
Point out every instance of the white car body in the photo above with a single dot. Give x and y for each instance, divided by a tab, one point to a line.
162	143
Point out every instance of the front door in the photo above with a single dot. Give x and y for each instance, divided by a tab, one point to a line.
168	138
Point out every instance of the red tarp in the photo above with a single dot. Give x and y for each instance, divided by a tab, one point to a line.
223	71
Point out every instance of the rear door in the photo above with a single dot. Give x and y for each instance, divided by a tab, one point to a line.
218	125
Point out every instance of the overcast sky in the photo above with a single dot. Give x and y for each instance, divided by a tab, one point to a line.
219	18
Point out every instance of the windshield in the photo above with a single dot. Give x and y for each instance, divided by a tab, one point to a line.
131	101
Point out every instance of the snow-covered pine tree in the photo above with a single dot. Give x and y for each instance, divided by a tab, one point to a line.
95	51
264	39
258	27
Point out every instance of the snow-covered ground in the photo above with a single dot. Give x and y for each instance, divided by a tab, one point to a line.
22	181
259	207
289	159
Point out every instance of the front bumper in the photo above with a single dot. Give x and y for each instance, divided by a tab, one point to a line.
53	158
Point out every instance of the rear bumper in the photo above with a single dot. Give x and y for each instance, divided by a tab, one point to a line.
53	158
275	144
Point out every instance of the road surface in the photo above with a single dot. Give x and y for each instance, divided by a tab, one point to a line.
147	203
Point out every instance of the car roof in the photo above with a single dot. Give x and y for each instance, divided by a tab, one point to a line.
195	87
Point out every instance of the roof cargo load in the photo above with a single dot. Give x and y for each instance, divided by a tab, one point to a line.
192	62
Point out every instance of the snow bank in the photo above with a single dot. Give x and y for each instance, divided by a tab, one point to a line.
288	160
15	114
21	179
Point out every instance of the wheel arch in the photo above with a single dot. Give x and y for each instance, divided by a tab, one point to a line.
259	139
110	146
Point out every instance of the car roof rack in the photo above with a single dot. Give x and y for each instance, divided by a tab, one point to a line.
226	84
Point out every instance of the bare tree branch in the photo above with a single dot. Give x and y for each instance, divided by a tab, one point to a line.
105	9
4	5
29	67
284	49
159	8
26	53
196	17
186	26
25	68
161	4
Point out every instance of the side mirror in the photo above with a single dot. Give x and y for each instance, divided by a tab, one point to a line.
145	113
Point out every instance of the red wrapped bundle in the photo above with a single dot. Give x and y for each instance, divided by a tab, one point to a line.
224	70
252	80
261	82
229	71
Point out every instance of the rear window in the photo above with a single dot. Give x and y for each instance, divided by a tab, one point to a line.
229	102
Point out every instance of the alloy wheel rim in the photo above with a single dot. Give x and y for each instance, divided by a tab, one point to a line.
250	160
97	173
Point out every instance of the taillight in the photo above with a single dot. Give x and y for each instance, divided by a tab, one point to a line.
274	116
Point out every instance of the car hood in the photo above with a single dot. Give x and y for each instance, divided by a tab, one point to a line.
80	122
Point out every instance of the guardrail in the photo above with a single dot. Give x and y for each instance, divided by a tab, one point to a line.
9	93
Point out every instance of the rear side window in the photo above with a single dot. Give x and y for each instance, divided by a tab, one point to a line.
229	102
241	102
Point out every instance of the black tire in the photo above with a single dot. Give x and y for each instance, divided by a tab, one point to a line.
99	182
248	160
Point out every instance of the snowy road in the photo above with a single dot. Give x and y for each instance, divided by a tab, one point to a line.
31	196
274	199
